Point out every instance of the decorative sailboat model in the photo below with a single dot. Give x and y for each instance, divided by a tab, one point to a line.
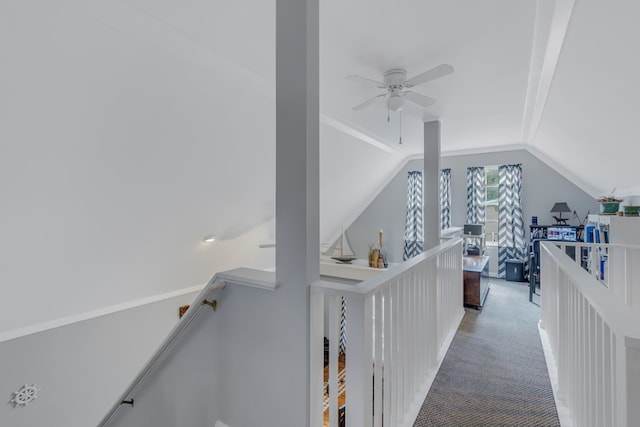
343	253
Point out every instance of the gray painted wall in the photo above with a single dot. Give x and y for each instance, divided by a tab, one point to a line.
82	368
387	213
542	187
183	391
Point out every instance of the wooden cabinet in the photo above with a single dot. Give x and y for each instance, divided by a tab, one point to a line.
476	280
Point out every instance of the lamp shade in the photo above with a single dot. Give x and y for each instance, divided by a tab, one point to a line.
560	207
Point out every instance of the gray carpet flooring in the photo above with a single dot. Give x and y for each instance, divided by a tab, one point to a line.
494	373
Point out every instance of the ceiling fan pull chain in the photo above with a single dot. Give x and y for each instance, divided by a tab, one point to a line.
388	118
400	143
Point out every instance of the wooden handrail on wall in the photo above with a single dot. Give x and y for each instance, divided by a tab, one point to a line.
204	301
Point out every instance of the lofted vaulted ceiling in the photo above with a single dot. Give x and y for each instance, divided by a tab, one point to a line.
488	43
146	124
554	77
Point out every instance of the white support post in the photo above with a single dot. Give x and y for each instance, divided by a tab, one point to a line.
431	185
297	197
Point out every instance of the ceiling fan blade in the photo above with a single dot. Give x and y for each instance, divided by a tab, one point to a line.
355	78
419	99
434	73
368	102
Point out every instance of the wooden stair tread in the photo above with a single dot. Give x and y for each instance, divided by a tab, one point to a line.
341	388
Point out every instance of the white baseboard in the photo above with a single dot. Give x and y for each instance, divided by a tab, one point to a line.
563	410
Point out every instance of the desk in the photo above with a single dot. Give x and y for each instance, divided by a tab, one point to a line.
476	280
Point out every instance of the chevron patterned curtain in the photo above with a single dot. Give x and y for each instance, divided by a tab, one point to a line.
413	231
343	326
445	198
511	237
475	195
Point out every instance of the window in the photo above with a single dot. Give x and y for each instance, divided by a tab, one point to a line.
491	207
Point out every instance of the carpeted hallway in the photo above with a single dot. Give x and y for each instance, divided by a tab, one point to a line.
494	373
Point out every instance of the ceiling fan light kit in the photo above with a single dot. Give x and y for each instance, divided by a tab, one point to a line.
395	102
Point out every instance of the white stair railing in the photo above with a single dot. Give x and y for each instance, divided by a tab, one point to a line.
399	325
593	338
616	266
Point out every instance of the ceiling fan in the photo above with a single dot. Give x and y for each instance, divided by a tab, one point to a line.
395	82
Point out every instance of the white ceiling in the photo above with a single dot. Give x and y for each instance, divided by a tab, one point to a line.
590	124
146	124
555	77
505	56
488	43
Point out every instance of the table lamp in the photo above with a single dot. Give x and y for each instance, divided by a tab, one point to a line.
560	207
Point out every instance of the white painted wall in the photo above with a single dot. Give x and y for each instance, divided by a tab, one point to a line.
123	144
125	141
82	368
352	173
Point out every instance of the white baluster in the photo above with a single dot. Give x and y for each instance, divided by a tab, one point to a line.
378	359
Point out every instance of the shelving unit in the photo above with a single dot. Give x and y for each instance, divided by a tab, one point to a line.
624	230
611	229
